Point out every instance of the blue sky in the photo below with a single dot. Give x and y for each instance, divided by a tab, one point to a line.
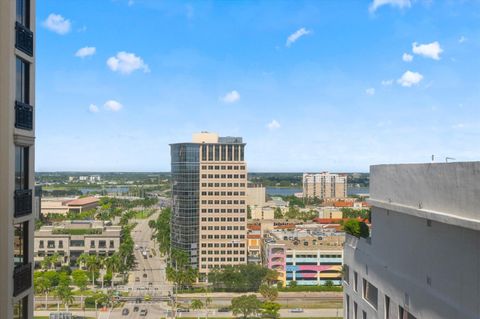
310	85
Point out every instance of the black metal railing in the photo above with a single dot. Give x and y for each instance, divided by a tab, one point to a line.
23	116
23	39
23	202
22	278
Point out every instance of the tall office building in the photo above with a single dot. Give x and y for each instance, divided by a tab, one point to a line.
209	184
17	95
324	185
422	260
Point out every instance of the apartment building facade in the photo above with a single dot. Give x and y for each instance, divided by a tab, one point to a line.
70	239
423	257
17	96
209	211
324	185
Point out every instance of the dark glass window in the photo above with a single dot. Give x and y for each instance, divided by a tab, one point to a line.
22	81
20	244
23	12
230	153
235	152
224	153
217	154
210	152
20	309
21	167
204	152
242	153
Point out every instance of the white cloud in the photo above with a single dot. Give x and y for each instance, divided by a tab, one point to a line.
407	57
410	78
93	108
394	3
113	105
430	50
86	51
57	23
231	97
296	35
370	91
126	63
387	82
462	39
273	125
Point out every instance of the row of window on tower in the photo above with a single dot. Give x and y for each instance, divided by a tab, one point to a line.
223	152
229	176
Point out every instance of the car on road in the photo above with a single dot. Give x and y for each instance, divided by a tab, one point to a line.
125	312
150	283
137	279
135	309
145	275
224	309
147	298
183	310
143	313
296	310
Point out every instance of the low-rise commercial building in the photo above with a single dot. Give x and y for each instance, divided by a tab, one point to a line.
422	259
70	239
306	257
63	206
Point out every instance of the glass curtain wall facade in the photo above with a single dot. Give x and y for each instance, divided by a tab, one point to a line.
185	167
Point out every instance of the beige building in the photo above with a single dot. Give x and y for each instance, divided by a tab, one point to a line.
65	205
324	185
256	195
17	97
209	185
70	239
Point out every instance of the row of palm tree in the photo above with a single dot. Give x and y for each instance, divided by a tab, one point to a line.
93	264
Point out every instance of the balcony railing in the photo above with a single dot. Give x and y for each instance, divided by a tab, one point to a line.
23	39
23	202
22	278
23	116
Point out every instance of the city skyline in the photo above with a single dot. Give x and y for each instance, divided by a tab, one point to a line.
311	86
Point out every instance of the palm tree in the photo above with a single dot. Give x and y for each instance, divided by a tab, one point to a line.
208	301
43	285
196	304
93	265
82	260
65	295
112	264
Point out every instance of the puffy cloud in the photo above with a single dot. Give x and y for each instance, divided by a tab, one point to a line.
113	105
57	23
462	39
407	57
273	125
86	51
370	91
93	108
231	97
387	82
410	78
394	3
430	50
296	35
126	63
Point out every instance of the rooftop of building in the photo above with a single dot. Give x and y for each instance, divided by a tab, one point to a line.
83	201
213	138
443	192
79	227
307	240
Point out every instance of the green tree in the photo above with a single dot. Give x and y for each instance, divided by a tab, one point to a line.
113	264
64	294
328	283
245	305
277	213
267	292
356	228
292	284
196	304
93	265
42	285
162	230
80	279
82	260
52	277
270	309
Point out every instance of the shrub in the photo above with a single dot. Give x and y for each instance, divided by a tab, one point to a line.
356	228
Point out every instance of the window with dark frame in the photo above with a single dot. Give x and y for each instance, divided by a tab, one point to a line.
20	244
22	77
23	13
21	167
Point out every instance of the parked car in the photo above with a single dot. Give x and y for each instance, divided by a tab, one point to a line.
143	313
135	309
137	279
183	310
296	310
224	309
145	275
125	312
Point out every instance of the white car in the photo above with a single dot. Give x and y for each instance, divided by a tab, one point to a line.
296	310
